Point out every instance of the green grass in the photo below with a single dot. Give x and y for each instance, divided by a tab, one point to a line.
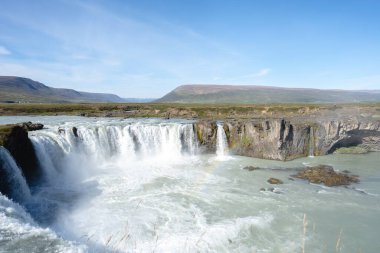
208	111
255	95
351	150
4	131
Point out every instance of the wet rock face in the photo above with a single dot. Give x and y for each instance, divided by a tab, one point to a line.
206	132
268	139
333	135
75	131
324	174
21	148
279	139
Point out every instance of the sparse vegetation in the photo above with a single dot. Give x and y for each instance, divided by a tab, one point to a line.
4	131
351	150
250	94
165	110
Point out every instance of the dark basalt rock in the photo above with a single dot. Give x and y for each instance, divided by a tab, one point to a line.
17	142
29	126
206	132
273	180
75	131
271	189
287	139
251	168
325	174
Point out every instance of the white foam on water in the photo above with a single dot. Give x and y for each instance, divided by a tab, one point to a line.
141	186
18	231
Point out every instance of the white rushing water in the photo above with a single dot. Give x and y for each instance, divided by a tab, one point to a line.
16	182
311	142
221	142
142	186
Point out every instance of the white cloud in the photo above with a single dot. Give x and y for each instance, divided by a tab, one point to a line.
249	78
263	72
4	51
97	48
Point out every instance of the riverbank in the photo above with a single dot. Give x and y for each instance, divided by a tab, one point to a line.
276	133
197	111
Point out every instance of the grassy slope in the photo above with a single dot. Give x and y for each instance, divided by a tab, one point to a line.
262	95
26	90
7	95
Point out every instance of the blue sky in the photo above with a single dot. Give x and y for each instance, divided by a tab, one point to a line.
141	48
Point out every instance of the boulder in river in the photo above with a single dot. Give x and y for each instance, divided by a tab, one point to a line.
325	174
273	180
250	168
75	131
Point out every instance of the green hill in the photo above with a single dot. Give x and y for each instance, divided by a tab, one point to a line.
18	89
251	94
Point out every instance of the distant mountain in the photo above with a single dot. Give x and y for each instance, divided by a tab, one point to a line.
253	94
25	90
139	100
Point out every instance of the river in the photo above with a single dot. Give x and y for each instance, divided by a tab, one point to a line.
146	185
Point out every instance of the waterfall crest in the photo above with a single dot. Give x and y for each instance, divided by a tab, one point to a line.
97	144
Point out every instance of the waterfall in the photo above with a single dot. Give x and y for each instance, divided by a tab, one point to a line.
66	157
13	178
221	141
101	143
311	142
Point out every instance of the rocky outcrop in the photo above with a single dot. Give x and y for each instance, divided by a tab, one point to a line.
280	139
332	135
206	132
269	139
29	126
15	139
324	174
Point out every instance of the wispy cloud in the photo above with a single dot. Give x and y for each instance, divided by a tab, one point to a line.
250	78
97	47
263	72
4	51
134	47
